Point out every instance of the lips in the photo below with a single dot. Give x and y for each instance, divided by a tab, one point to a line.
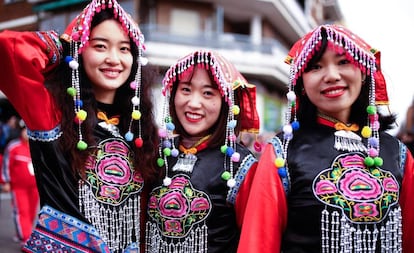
111	73
333	92
193	117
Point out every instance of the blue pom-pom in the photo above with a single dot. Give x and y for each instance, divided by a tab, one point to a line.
79	103
295	125
129	136
68	59
229	151
282	172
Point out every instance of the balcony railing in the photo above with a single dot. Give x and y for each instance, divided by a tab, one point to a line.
157	33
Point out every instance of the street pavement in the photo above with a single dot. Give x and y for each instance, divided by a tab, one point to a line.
7	230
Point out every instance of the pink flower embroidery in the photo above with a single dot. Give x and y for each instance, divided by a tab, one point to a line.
173	204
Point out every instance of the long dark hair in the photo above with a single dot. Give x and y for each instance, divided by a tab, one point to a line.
307	111
60	80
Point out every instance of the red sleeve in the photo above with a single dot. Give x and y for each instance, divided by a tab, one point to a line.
243	194
25	57
266	212
407	204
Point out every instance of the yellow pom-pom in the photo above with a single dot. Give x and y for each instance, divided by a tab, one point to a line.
136	115
279	162
81	114
235	109
366	132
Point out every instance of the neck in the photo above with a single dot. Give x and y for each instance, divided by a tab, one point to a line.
189	142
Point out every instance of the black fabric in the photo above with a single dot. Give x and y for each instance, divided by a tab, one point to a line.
310	152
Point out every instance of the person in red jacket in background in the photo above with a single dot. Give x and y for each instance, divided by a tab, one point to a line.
18	178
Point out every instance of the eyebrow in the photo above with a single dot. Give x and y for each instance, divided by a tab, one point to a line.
107	40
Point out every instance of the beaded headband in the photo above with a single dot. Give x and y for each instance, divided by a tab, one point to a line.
229	82
77	34
366	58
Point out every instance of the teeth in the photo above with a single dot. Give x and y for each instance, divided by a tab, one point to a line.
331	92
193	116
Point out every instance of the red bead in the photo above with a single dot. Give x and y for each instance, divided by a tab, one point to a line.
138	142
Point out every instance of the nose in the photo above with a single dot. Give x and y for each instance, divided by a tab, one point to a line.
194	100
112	57
332	74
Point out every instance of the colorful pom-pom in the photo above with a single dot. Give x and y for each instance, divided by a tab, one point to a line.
135	100
282	172
138	142
167	151
174	152
369	161
136	115
81	145
170	126
291	96
162	133
71	91
133	85
223	149
235	157
378	162
160	162
81	114
366	132
229	151
279	162
371	109
129	136
295	125
235	109
231	183
226	175
166	181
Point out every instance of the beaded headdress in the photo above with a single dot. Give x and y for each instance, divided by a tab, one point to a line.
77	34
363	56
229	82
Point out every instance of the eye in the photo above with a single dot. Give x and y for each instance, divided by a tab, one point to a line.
312	67
126	49
344	61
99	46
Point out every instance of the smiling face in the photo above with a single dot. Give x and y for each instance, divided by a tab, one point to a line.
333	84
197	103
107	59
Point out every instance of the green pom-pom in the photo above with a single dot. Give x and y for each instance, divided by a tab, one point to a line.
369	161
167	151
223	149
71	91
371	110
81	145
226	175
160	162
378	161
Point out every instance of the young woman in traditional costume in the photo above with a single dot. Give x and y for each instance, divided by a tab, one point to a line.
199	205
333	180
85	99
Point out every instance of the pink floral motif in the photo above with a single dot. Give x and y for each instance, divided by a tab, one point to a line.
179	207
359	185
173	204
173	226
352	161
114	169
199	204
325	187
365	210
178	183
115	147
137	177
110	192
390	185
152	203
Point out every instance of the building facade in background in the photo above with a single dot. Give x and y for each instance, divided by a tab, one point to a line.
253	34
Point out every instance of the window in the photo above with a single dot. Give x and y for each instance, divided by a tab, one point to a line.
185	22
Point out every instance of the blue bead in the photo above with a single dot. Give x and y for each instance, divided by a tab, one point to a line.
68	59
282	172
129	136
